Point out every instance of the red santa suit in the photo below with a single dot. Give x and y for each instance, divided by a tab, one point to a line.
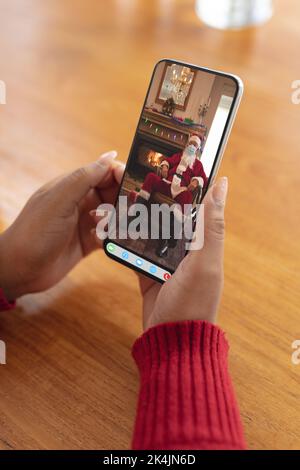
183	169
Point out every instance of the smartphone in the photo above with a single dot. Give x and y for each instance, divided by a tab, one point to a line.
181	135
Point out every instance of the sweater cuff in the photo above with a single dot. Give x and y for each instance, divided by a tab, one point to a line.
186	397
6	304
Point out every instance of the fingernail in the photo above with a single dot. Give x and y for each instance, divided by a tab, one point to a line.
93	231
93	212
119	164
119	169
107	157
220	191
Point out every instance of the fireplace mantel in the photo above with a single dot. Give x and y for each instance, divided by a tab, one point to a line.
164	128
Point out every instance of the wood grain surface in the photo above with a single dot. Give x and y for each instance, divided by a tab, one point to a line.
76	74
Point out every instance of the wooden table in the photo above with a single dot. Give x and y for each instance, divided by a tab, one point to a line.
76	74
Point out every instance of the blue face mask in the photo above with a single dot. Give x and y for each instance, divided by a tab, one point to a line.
191	150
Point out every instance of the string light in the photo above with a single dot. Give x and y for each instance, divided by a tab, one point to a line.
161	131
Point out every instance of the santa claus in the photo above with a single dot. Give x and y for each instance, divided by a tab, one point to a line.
180	175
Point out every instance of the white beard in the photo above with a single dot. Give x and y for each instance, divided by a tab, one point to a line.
185	162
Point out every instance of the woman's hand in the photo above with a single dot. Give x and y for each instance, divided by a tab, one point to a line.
194	291
54	230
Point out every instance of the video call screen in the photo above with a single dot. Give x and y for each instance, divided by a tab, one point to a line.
172	157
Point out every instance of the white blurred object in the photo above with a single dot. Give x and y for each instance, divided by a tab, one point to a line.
234	14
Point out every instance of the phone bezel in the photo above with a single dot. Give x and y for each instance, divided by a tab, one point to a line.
217	161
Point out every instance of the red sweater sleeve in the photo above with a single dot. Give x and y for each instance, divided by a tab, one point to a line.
186	398
6	304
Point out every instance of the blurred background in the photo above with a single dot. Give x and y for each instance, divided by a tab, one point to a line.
76	74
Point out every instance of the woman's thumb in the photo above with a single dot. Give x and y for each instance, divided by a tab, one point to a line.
210	255
76	185
214	205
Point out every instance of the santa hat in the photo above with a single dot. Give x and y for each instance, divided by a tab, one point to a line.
195	138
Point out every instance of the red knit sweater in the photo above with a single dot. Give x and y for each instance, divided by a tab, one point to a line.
186	398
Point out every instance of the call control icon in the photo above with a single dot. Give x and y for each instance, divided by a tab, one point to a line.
111	247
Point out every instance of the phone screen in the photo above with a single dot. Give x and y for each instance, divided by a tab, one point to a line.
172	159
